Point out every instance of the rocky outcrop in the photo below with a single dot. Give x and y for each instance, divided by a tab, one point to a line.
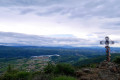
109	66
105	71
108	75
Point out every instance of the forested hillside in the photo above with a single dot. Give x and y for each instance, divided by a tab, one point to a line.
7	51
95	60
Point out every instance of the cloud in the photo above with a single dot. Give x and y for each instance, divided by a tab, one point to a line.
50	11
78	8
89	20
34	40
75	9
25	11
28	2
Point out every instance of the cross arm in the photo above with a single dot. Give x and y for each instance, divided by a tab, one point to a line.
112	42
102	42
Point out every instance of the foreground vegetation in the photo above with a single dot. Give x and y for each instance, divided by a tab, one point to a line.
29	64
50	72
60	71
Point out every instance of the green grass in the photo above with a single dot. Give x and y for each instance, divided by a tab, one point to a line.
64	78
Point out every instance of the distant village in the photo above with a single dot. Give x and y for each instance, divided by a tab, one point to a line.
38	62
43	57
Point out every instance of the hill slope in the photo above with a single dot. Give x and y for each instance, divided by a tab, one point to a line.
95	60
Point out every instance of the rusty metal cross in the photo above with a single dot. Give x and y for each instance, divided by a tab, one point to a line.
107	42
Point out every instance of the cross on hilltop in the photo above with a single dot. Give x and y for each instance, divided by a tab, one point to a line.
107	42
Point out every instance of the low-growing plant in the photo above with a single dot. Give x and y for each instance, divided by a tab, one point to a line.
64	78
42	76
93	65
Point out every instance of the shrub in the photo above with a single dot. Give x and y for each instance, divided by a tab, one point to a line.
9	69
117	60
42	76
16	76
64	78
37	73
66	69
23	75
8	76
93	65
49	68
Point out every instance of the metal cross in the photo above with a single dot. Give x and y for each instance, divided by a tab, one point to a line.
107	42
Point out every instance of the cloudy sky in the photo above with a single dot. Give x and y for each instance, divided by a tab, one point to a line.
61	22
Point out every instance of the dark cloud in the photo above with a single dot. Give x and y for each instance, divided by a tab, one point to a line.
78	8
28	2
50	11
25	11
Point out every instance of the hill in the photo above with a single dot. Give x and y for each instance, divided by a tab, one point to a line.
97	60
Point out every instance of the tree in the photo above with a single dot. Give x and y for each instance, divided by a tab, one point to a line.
9	69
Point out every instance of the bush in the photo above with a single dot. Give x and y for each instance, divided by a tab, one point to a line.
23	75
49	68
42	76
66	69
37	73
8	76
16	76
64	78
117	60
93	65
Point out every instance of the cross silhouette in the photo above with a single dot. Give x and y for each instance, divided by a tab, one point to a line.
107	42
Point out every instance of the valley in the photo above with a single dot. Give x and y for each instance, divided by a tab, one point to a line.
36	58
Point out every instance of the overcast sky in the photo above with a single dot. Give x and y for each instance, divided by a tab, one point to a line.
86	20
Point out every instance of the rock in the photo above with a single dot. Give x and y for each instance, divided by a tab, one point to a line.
103	65
79	73
108	75
118	69
110	66
105	71
85	78
86	70
113	69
